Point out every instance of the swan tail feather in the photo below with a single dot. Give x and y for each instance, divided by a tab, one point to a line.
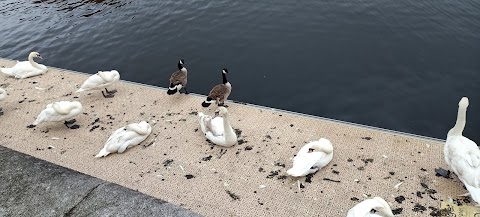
102	153
39	120
207	102
474	193
8	71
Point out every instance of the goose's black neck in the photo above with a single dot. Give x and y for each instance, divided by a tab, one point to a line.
224	78
180	66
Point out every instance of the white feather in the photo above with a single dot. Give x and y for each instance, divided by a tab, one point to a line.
463	155
364	208
303	162
59	111
126	137
3	94
100	80
26	69
218	129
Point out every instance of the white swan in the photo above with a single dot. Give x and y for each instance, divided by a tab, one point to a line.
366	208
462	154
26	69
125	137
3	94
312	157
217	129
59	111
101	79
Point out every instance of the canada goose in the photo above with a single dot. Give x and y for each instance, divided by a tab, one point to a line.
26	69
463	155
101	79
126	137
59	111
375	207
178	80
220	92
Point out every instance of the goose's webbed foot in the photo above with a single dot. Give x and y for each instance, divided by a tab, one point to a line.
185	91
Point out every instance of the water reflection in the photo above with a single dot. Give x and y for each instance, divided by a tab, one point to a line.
82	8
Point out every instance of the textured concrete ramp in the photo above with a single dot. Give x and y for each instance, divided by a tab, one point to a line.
176	163
33	187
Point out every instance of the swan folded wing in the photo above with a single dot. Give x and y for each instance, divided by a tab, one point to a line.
305	162
216	126
20	68
218	140
119	139
93	82
204	120
107	76
466	172
62	108
141	129
364	208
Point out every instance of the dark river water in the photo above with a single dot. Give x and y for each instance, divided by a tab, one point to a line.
396	64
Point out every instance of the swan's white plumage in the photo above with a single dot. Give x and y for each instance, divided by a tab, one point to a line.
306	161
3	94
364	208
125	137
59	111
462	154
26	69
100	80
217	129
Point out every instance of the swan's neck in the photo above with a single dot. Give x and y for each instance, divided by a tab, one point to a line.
457	130
32	62
229	134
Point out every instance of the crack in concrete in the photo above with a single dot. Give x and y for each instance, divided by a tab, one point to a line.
70	211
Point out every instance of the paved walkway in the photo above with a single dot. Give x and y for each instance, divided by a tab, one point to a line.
34	187
176	164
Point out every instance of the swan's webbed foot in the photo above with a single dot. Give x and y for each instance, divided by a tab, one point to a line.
31	126
108	95
223	104
69	124
110	91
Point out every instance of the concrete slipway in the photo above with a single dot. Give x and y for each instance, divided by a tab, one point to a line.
178	165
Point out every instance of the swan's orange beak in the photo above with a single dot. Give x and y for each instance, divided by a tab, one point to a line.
39	56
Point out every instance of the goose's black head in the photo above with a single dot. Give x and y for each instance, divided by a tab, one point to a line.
180	63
